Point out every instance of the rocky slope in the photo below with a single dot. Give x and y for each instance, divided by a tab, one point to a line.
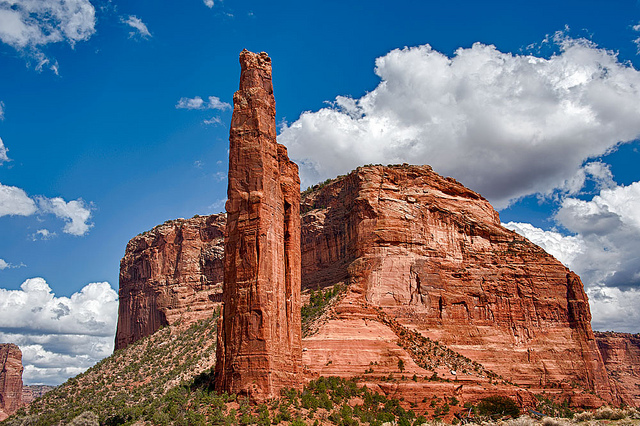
140	381
621	355
432	255
10	379
171	273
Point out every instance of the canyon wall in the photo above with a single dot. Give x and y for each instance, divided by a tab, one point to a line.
259	347
621	356
432	255
10	379
171	273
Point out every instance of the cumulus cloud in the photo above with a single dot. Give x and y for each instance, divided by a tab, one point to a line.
15	202
208	3
564	248
198	103
140	28
3	150
75	213
59	336
605	251
1	110
614	309
27	25
505	125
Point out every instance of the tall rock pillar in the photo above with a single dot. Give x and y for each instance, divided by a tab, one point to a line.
10	379
259	337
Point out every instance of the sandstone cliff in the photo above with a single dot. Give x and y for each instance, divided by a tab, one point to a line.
621	355
173	272
259	349
10	379
432	254
426	252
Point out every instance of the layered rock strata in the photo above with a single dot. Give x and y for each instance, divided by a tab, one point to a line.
172	273
432	255
10	379
621	356
259	347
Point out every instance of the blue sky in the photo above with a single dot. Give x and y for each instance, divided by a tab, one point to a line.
114	118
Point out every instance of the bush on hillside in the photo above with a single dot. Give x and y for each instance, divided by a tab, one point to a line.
497	406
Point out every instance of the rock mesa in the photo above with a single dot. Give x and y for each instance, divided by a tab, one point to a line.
432	254
173	272
10	379
259	348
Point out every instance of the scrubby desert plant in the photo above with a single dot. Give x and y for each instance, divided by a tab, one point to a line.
550	421
497	406
21	421
88	418
608	413
521	421
584	416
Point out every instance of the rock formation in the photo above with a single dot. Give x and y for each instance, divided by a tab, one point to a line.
173	272
621	355
10	379
432	255
259	349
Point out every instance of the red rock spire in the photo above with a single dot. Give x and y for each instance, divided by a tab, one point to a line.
10	379
259	337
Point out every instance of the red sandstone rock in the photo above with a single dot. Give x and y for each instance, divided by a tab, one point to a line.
433	255
173	272
259	349
10	379
621	355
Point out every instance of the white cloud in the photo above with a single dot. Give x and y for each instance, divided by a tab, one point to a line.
1	110
75	213
505	125
564	248
43	234
4	265
216	121
15	202
59	336
27	25
3	151
216	103
137	24
605	251
613	309
199	103
208	3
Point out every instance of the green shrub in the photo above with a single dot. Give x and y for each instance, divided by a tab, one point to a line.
497	406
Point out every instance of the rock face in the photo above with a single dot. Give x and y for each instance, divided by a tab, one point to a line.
259	348
432	254
10	379
621	355
173	272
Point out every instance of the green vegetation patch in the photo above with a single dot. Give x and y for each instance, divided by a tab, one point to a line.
319	301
